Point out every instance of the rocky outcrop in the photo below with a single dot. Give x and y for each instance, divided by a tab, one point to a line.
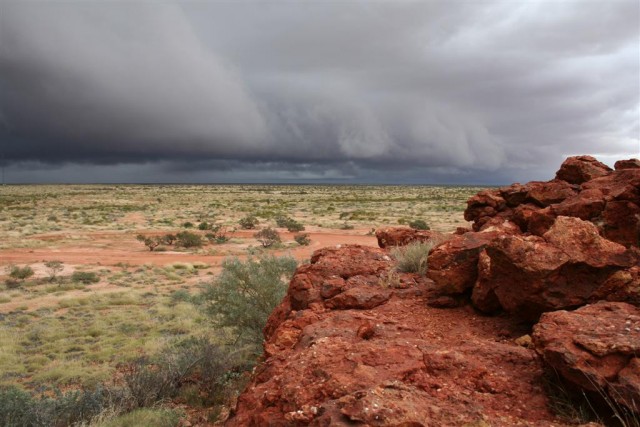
393	361
579	169
356	342
583	188
596	347
402	236
569	266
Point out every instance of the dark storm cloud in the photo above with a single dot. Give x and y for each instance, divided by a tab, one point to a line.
442	91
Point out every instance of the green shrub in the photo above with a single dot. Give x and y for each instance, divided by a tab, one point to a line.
19	408
187	224
218	235
204	226
248	222
289	223
150	242
86	277
346	226
302	239
245	294
187	239
419	224
20	273
168	239
412	258
53	268
267	237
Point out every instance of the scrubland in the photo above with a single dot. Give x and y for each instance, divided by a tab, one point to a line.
60	333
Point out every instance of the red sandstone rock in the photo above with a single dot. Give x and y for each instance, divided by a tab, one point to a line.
586	205
627	164
453	264
595	347
397	363
528	275
610	199
401	236
548	193
486	203
579	169
621	220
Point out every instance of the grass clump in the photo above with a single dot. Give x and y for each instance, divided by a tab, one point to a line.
412	258
86	277
158	417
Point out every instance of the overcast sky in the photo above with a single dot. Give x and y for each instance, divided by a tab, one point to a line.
486	92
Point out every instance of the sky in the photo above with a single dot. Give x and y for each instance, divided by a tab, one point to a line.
422	92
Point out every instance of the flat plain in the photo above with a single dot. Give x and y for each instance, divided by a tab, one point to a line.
112	300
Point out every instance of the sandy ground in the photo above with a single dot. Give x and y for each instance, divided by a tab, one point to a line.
112	248
96	250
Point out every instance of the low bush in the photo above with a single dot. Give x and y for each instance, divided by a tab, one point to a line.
289	223
20	273
168	239
248	222
302	239
86	277
267	237
245	293
150	242
19	408
204	225
53	268
419	224
412	258
187	239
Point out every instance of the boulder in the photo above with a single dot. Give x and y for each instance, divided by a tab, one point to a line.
596	348
348	357
566	267
453	265
579	169
627	164
547	193
584	188
401	236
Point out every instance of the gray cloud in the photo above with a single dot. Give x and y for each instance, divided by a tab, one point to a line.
434	91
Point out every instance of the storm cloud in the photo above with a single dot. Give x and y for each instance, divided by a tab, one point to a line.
485	92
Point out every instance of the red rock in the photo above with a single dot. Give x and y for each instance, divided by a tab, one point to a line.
528	275
522	215
581	241
623	285
594	347
548	193
328	266
586	205
485	203
540	221
515	194
396	363
622	222
579	169
627	164
623	184
401	236
453	264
